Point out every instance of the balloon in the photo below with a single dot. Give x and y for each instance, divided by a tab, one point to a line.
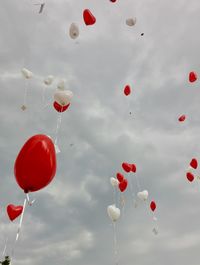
113	1
14	211
153	206
190	176
127	90
49	80
194	163
26	73
88	17
63	97
123	185
59	107
114	182
182	118
130	22
74	31
143	195
35	165
133	168
120	177
61	84
126	167
192	77
113	212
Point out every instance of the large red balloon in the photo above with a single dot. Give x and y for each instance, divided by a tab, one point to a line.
14	211
194	163
123	185
127	90
35	166
192	77
126	167
59	107
88	17
153	206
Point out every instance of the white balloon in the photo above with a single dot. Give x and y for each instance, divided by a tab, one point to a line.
131	22
143	195
26	73
113	212
74	31
114	182
49	80
63	97
61	84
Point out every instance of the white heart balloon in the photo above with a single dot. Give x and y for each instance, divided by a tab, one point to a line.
49	80
143	195
74	31
114	182
63	97
26	73
113	212
131	22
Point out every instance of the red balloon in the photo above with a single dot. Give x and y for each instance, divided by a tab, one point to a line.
153	206
14	211
182	118
126	167
88	17
190	176
120	177
194	163
127	90
133	168
192	77
35	166
123	185
113	1
59	107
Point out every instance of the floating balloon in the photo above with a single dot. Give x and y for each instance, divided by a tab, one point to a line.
131	22
123	185
113	212
194	163
182	118
35	166
49	80
127	90
63	97
192	77
126	167
133	168
120	177
74	31
14	211
143	195
190	176
88	17
153	206
26	73
113	1
61	84
114	182
60	108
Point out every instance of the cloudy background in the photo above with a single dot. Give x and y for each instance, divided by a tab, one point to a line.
68	223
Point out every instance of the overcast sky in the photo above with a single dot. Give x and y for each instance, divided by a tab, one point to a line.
68	224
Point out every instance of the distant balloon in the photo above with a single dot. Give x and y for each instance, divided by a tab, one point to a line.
63	97
131	22
127	90
126	167
192	77
74	31
26	73
133	168
194	163
182	118
143	195
113	1
114	182
113	212
60	108
88	17
120	177
190	176
153	206
14	211
61	84
123	185
49	80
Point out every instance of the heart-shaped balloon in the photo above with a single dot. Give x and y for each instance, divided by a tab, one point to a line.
120	177
182	118
113	212
88	17
49	80
126	167
143	195
194	163
114	182
113	1
192	77
133	168
60	108
63	97
123	185
190	176
127	90
153	206
14	211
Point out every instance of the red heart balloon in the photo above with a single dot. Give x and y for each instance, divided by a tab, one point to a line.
113	1
123	185
194	163
120	177
127	90
59	107
153	206
133	168
126	167
192	77
14	211
190	176
35	166
88	17
182	118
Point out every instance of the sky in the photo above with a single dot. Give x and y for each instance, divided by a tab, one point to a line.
68	223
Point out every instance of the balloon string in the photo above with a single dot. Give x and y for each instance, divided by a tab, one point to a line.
122	200
138	183
43	95
115	244
5	247
133	195
59	120
25	93
28	200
